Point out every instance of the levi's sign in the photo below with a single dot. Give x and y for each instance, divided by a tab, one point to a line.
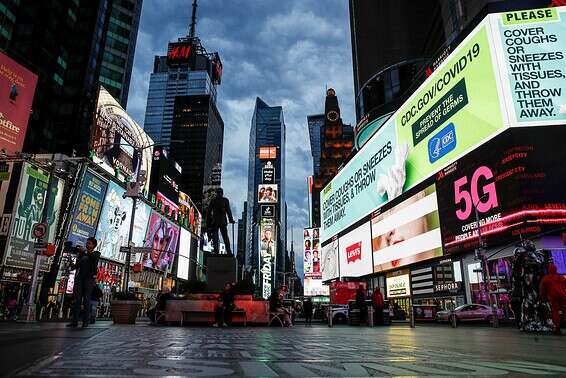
354	252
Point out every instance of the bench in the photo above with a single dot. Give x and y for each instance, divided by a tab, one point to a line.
237	312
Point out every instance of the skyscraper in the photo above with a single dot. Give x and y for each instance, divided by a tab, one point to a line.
266	167
241	250
118	57
62	42
331	144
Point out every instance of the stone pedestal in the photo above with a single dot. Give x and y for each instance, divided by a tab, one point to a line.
220	269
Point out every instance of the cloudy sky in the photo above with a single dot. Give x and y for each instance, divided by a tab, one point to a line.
285	52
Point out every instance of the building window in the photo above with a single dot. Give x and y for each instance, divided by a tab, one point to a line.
72	15
58	79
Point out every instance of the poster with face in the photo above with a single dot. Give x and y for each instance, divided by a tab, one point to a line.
141	220
162	237
311	255
28	210
114	224
329	261
190	216
408	232
267	193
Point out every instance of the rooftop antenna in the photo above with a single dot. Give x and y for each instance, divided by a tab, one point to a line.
193	20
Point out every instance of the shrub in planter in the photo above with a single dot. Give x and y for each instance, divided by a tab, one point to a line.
124	308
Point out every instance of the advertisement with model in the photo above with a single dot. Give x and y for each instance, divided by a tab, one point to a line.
267	257
267	193
18	88
162	237
189	215
28	210
312	264
355	252
114	224
408	232
87	209
513	185
119	144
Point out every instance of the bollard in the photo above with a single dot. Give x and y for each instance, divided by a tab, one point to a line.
329	316
50	313
453	322
370	317
69	313
412	317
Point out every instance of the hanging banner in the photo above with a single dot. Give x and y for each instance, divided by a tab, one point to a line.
87	209
267	257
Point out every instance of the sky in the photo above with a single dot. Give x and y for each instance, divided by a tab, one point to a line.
285	52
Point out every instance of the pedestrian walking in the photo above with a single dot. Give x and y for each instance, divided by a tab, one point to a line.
308	309
377	302
553	289
361	303
86	267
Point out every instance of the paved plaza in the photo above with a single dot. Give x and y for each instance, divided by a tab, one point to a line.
144	350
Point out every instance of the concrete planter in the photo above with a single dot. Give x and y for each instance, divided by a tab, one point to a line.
124	312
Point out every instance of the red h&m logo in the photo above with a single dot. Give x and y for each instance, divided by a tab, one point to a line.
179	52
354	252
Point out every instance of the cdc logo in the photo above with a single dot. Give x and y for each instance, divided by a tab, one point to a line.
442	143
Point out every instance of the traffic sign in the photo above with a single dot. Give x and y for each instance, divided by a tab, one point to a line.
39	230
40	247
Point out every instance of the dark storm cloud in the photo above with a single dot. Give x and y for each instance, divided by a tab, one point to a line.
286	52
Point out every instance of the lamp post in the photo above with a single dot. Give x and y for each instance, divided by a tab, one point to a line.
480	255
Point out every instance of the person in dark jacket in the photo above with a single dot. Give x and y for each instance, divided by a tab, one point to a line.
218	210
86	267
276	307
553	288
308	309
361	302
224	309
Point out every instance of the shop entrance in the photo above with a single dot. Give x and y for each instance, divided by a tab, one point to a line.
401	308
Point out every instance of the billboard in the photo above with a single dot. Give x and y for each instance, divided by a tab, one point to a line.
430	130
119	144
267	257
267	193
268	173
114	224
311	255
165	174
181	52
530	45
183	261
87	209
355	252
28	209
407	233
17	85
329	261
516	184
167	206
141	220
162	237
398	284
268	153
189	215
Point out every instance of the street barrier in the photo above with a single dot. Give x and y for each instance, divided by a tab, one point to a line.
412	317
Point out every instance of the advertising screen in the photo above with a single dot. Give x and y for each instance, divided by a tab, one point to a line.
183	261
531	45
119	143
18	88
398	285
87	209
267	193
189	215
267	257
28	210
162	237
168	207
329	261
165	174
355	252
314	287
407	233
114	223
430	130
141	221
516	183
311	244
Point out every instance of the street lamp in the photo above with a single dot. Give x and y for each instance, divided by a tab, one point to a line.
480	255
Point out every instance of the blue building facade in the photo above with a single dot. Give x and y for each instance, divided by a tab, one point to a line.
267	130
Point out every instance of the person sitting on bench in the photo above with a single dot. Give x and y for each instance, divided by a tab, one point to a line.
276	307
226	306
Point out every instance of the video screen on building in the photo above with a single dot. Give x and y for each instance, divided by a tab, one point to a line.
516	184
329	261
267	256
267	193
161	240
408	232
183	261
355	252
114	223
311	253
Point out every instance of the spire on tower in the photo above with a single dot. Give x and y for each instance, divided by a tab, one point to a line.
192	28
